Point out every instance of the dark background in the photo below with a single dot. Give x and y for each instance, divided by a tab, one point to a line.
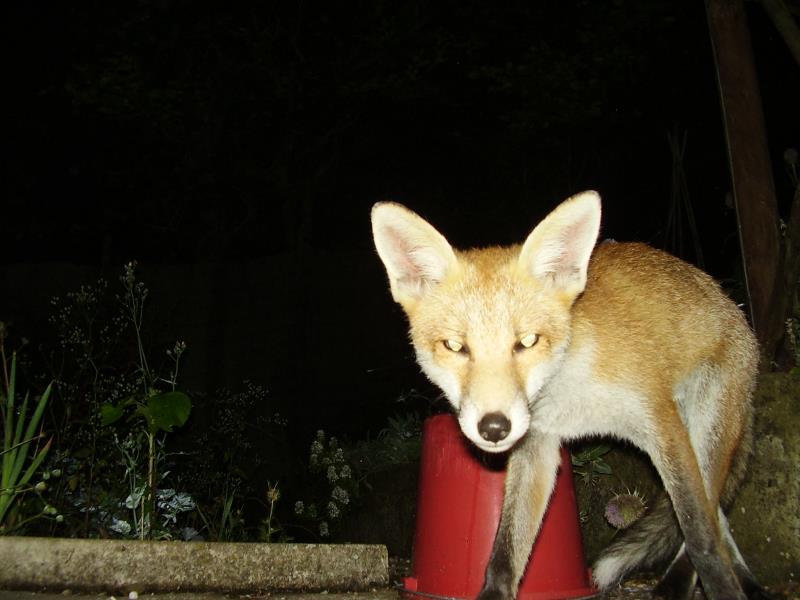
235	149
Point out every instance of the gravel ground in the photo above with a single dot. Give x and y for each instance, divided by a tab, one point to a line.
633	589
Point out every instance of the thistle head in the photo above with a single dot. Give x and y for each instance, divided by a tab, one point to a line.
625	509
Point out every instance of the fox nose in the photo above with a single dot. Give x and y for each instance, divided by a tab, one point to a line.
494	427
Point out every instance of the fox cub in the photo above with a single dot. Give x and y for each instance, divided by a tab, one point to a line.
557	339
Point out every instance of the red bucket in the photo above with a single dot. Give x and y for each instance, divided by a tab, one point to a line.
458	510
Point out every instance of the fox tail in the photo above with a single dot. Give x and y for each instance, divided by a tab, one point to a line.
656	538
652	540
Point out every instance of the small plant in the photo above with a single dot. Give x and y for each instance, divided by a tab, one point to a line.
156	410
589	463
129	517
343	471
337	486
91	330
270	530
223	460
19	439
115	408
623	510
225	525
397	444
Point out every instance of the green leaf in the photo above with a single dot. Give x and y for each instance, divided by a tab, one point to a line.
601	466
23	413
26	477
167	410
30	432
598	451
110	413
8	436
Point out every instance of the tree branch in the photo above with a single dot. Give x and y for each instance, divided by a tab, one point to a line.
791	253
785	24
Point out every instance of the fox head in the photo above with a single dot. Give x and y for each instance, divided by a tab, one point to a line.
489	326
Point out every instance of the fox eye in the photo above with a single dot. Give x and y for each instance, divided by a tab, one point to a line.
527	341
453	346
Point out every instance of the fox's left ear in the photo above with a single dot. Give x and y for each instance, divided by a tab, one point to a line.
558	249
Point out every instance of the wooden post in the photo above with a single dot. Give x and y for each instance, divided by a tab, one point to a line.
751	170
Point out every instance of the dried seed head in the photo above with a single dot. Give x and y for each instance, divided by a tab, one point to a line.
625	509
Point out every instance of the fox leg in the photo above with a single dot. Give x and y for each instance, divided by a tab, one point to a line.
722	460
680	578
697	516
530	480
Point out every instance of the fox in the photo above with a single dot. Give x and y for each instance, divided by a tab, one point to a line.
562	338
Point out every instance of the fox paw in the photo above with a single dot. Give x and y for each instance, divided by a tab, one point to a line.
674	589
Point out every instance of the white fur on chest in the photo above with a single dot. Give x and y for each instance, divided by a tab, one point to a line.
574	403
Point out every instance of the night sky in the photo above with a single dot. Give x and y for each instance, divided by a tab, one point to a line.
175	132
178	133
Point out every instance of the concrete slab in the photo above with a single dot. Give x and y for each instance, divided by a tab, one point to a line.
122	565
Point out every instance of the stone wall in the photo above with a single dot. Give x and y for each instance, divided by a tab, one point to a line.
764	518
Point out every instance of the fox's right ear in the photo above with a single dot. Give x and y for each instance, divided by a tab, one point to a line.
415	255
558	249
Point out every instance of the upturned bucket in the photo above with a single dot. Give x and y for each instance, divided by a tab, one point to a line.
458	511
